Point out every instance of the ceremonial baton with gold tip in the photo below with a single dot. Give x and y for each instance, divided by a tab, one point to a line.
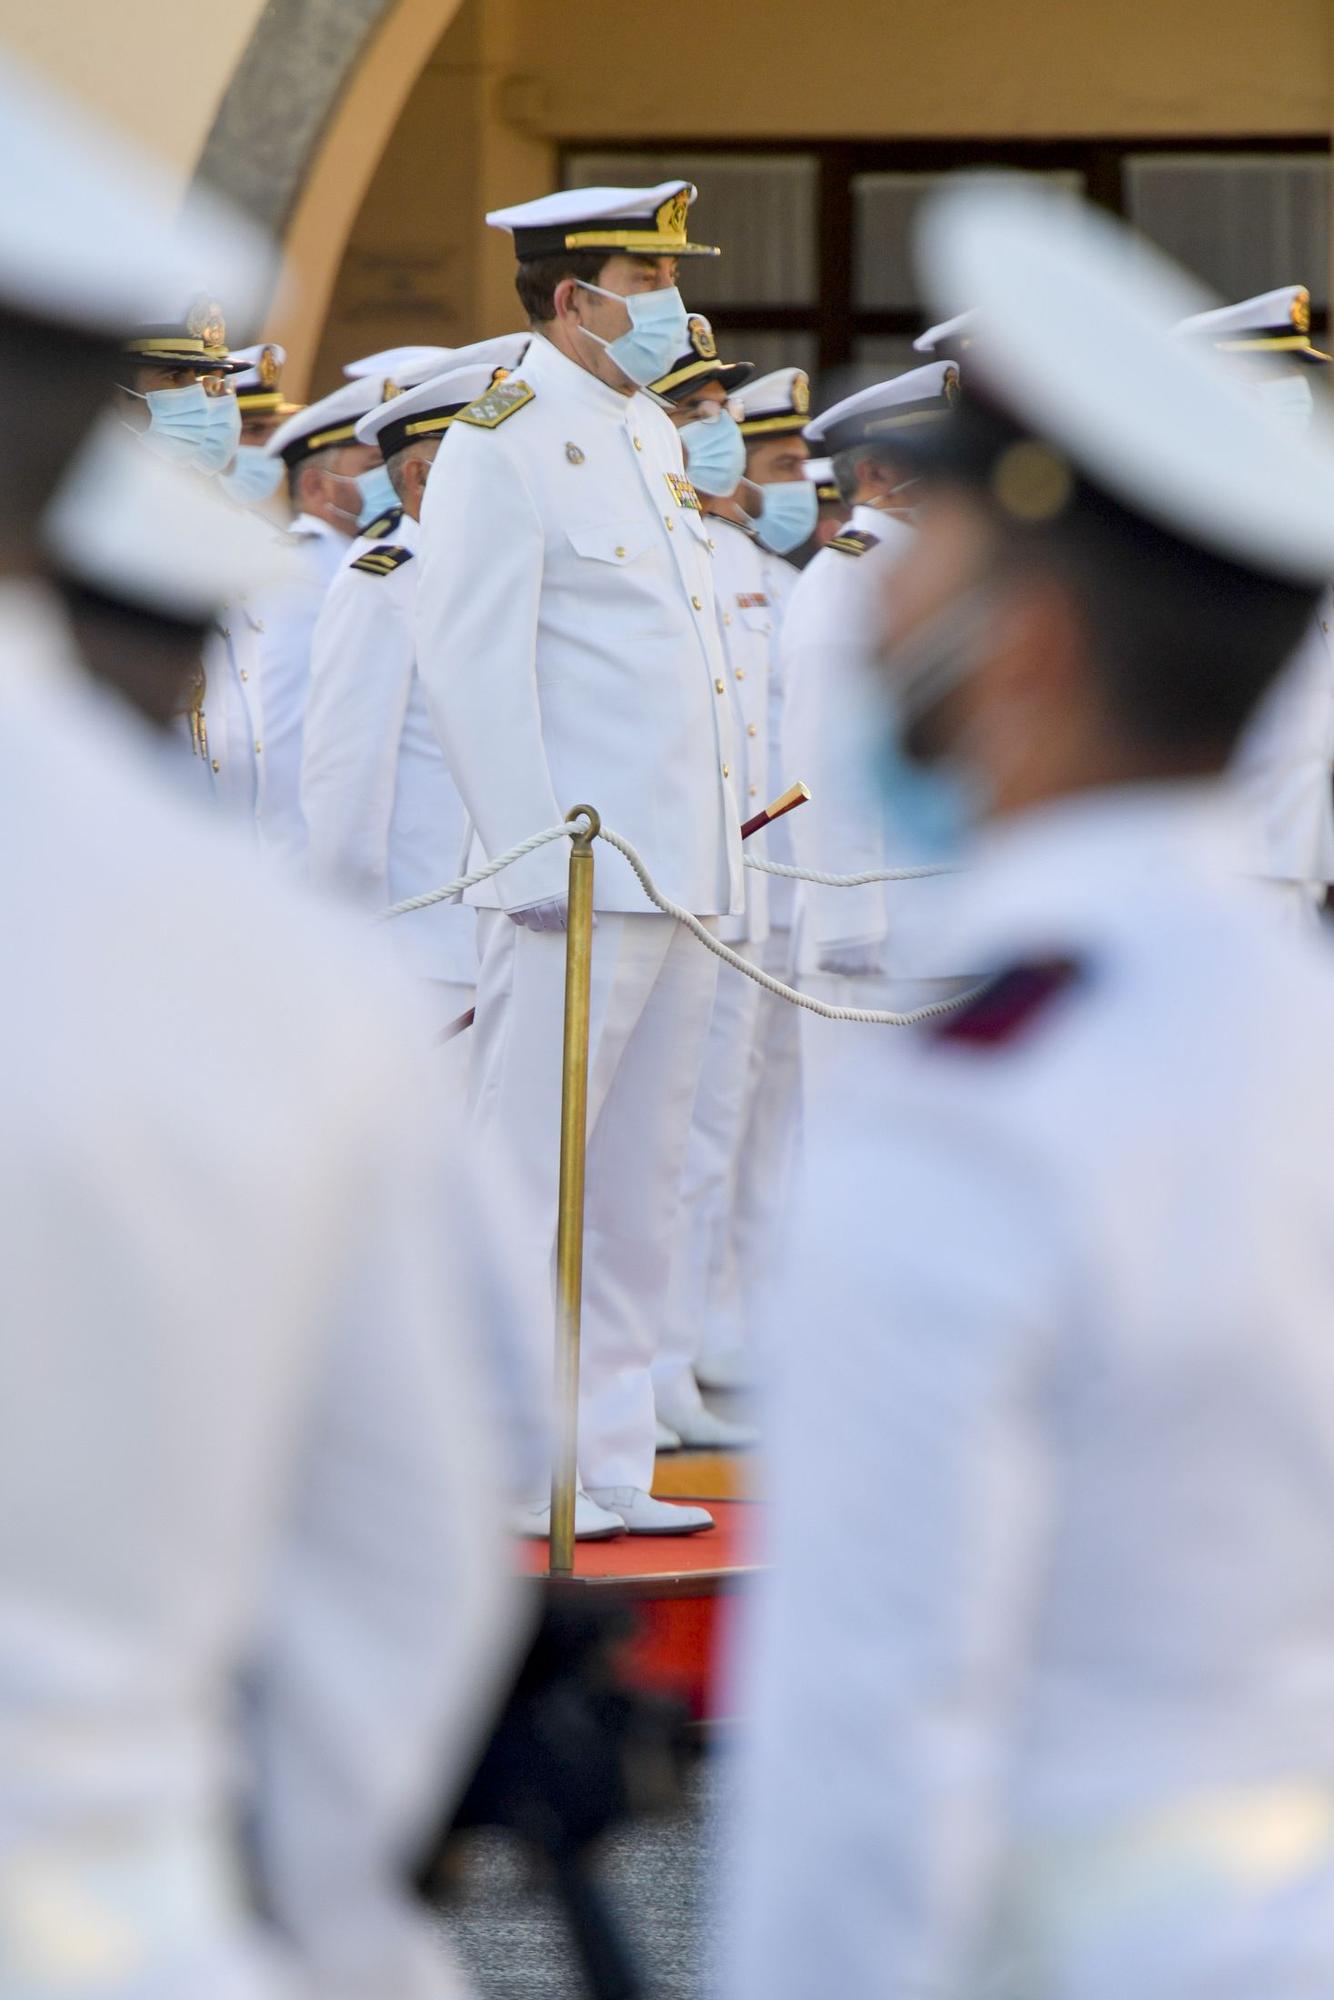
788	801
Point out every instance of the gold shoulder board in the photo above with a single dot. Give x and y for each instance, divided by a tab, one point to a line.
855	543
499	402
383	526
379	562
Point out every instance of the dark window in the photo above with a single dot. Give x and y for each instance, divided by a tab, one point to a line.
816	269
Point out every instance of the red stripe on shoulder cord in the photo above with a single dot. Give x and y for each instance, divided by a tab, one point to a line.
1011	1003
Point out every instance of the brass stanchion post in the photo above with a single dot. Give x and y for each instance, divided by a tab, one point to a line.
570	1215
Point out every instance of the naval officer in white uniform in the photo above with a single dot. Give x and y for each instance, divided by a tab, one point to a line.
704	1309
1049	1711
383	816
874	945
569	644
175	391
1285	761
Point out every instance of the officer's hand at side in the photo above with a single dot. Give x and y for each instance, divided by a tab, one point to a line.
852	960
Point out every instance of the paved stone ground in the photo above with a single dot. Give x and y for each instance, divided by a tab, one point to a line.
508	1932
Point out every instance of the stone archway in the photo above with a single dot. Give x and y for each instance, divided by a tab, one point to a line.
300	128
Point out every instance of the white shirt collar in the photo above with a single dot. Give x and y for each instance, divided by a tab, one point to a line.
545	363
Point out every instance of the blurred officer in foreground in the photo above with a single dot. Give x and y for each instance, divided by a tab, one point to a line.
237	1430
141	554
1285	760
1049	1709
569	646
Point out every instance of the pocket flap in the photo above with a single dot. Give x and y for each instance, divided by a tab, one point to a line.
614	542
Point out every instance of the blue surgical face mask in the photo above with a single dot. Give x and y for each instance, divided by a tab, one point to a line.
715	454
659	331
222	433
377	496
789	510
254	477
932	805
177	422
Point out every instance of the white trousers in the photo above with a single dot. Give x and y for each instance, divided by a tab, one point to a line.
767	1154
652	993
704	1281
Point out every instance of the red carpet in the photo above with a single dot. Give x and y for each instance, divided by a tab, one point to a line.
679	1587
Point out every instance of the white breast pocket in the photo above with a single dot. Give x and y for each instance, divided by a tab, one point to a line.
618	543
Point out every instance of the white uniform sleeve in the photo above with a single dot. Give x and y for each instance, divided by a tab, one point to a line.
391	1623
911	1492
840	832
361	667
482	549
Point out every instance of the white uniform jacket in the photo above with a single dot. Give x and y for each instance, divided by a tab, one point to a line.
1050	1707
569	644
775	843
289	614
384	820
245	1578
227	737
747	618
1285	763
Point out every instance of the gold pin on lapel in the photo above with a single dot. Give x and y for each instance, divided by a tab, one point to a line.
573	453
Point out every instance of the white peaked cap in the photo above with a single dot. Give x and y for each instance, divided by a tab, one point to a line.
1075	341
1277	323
88	229
502	350
951	334
405	365
915	397
329	423
773	403
155	535
644	222
427	403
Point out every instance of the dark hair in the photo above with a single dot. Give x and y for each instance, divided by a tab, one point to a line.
536	278
52	380
1184	642
397	461
845	465
315	461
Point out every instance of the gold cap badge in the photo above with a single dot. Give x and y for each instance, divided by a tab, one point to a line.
205	321
701	338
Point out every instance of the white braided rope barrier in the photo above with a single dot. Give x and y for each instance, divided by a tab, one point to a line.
453	890
847	881
873	1017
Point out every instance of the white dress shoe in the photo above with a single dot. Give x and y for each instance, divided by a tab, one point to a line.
666	1439
591	1522
643	1515
701	1430
732	1369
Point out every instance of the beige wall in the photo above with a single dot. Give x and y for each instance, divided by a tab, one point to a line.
158	74
955	68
